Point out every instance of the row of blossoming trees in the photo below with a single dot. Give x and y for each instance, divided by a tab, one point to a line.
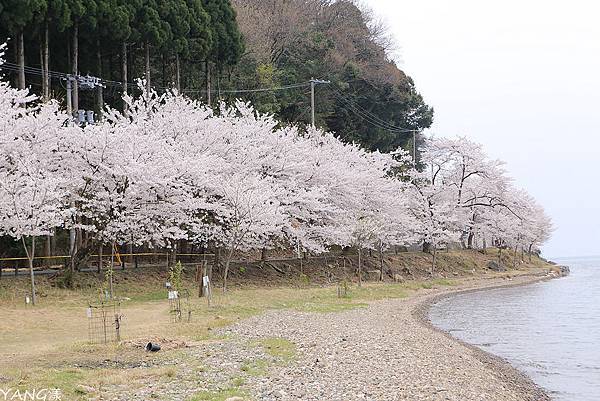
170	168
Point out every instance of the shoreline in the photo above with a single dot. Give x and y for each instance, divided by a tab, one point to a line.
386	351
343	351
499	366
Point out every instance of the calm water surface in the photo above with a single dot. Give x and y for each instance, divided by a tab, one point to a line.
549	330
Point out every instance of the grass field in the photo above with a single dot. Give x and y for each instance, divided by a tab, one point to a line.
46	345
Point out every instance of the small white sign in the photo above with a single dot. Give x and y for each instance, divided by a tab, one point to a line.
205	281
172	294
88	312
27	300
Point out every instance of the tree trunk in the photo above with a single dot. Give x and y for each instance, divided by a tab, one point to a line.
380	261
100	255
219	84
124	72
75	65
515	257
30	257
177	73
470	240
72	248
359	267
53	243
147	57
200	278
100	97
43	71
530	246
426	247
21	60
46	63
130	251
499	253
174	254
433	261
217	257
79	235
208	94
263	256
209	270
226	272
48	246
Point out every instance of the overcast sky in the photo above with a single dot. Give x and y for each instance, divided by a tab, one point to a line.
522	78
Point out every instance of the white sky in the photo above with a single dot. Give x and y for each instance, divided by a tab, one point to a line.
522	78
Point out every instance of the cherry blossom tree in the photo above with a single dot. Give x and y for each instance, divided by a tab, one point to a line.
31	192
170	169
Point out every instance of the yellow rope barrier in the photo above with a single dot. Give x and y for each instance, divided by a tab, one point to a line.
106	255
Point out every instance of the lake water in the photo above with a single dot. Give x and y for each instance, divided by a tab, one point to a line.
549	330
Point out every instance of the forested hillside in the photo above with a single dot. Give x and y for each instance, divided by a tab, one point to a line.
260	51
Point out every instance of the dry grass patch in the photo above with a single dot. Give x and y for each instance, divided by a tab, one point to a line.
52	336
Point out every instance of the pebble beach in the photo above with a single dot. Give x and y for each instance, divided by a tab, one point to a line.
386	351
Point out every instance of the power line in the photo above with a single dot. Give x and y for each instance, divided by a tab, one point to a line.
364	114
61	75
369	117
359	110
273	89
372	117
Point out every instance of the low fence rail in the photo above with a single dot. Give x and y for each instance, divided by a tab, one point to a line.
16	266
53	264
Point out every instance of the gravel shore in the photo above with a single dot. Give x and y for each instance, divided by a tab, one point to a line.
388	351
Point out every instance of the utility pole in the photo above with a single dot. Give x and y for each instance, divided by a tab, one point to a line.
313	83
84	83
415	148
69	99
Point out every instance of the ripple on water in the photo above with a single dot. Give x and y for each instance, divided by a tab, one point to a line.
549	330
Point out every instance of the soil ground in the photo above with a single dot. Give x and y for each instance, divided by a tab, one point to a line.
46	346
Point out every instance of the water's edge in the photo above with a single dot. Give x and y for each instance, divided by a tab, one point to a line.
503	369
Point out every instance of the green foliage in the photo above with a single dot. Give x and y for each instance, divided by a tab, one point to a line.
227	45
175	276
368	94
16	15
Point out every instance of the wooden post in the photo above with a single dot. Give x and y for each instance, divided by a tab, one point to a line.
201	272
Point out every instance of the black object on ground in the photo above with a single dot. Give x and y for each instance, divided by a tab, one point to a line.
152	347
